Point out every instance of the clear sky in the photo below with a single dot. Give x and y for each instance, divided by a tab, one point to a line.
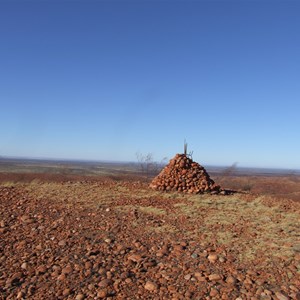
104	79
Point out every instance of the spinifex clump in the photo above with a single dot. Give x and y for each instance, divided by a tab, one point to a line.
184	175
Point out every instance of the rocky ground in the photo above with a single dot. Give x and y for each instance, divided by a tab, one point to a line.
120	240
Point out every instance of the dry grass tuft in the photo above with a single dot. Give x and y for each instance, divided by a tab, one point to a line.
248	226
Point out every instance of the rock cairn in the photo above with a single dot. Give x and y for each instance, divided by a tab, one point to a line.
182	174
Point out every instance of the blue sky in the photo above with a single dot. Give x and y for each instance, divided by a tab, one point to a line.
106	79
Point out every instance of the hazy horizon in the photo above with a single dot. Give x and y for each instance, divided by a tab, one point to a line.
102	80
68	160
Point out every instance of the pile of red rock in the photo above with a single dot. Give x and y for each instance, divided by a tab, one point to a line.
184	175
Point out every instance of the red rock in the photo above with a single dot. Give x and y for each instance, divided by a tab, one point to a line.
62	243
213	292
231	280
66	292
281	296
102	293
67	270
212	257
151	286
20	295
24	265
187	277
128	280
104	283
135	257
214	277
39	247
61	277
88	265
41	269
27	219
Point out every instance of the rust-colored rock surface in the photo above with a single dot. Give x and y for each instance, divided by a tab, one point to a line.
182	174
116	239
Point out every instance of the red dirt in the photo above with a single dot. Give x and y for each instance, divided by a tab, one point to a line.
102	238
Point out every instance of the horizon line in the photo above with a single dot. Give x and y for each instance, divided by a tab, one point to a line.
7	157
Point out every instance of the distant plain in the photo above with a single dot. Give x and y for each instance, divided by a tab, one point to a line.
284	183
